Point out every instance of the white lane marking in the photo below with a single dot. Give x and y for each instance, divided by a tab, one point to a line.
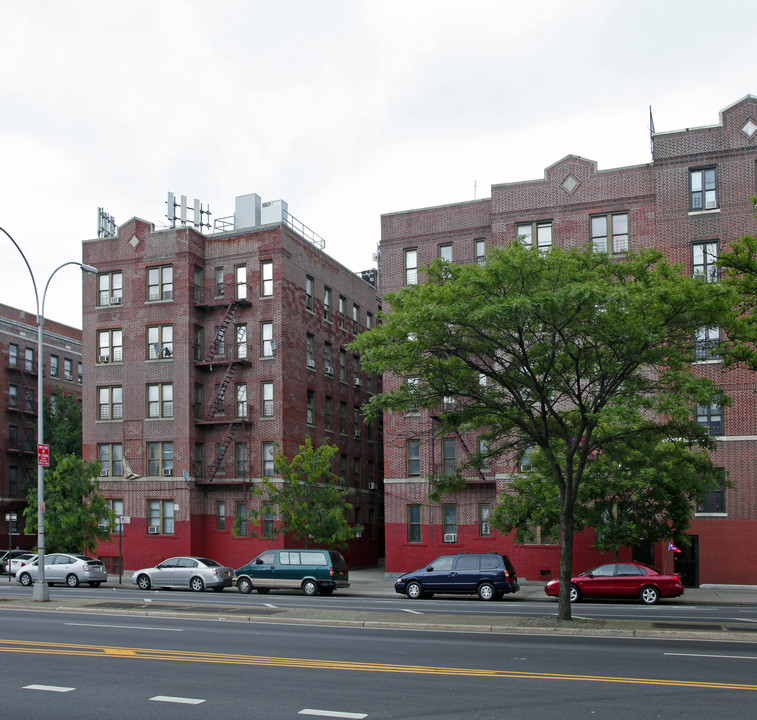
414	612
180	700
332	713
270	605
717	657
49	688
747	620
124	627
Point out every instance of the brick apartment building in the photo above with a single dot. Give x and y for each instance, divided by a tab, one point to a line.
18	385
691	200
205	352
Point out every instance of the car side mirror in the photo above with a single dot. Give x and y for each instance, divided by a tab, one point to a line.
430	568
259	561
589	574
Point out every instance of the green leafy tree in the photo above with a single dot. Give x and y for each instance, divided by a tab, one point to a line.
568	351
310	503
76	514
62	428
740	265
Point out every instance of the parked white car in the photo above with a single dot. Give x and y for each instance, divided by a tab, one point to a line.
18	561
68	568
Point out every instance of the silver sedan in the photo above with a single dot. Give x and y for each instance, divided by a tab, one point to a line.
195	573
68	568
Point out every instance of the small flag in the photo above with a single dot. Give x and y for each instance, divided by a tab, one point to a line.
673	548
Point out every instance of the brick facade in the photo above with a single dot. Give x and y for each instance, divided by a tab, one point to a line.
203	339
659	203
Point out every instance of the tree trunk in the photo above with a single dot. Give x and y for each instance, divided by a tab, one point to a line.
566	560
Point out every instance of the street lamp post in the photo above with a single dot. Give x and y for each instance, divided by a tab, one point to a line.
41	592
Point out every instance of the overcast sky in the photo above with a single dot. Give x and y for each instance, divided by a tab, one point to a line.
346	109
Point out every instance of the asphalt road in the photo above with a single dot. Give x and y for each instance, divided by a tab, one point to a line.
56	664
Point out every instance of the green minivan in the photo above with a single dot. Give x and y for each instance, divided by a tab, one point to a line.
312	571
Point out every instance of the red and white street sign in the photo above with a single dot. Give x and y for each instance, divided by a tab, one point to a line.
43	455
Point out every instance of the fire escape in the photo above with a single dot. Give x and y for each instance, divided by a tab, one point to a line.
22	415
221	359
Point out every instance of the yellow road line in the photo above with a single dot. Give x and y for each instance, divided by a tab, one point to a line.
80	650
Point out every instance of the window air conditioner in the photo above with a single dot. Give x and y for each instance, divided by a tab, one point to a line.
115	300
358	382
104	472
357	435
103	358
329	370
311	363
371	485
153	529
450	537
167	472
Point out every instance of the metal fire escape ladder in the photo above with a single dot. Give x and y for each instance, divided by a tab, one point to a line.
221	333
231	431
216	405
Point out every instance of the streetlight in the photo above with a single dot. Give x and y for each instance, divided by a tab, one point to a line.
41	592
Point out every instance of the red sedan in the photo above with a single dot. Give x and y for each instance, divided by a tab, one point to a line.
621	580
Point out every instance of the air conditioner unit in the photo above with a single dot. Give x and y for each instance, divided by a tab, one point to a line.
358	534
329	370
371	485
104	472
450	537
357	435
115	300
153	529
167	472
103	359
311	363
358	382
68	376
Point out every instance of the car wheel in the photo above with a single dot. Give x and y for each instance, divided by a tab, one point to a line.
327	591
414	590
244	586
649	595
575	594
486	591
72	580
310	587
96	583
143	582
196	584
25	579
263	591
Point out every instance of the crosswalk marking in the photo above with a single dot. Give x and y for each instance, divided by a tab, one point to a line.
180	700
332	714
49	688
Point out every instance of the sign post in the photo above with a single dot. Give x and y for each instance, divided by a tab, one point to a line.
10	518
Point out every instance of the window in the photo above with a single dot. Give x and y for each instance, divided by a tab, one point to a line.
329	412
29	362
706	341
327	358
267	344
703	188
160	283
266	394
110	288
218	290
68	369
199	334
268	459
160	400
309	293
413	458
411	267
12	355
117	506
160	514
110	403
79	371
199	460
414	523
240	281
356	422
111	457
54	366
343	469
536	234
240	341
240	399
12	481
355	318
266	278
368	321
526	459
711	417
327	304
356	472
342	303
704	258
159	342
343	366
310	350
199	281
538	535
199	401
160	458
310	407
479	251
714	500
343	418
13	437
269	528
484	529
445	253
412	387
356	370
220	515
13	396
483	452
241	464
448	456
609	233
449	515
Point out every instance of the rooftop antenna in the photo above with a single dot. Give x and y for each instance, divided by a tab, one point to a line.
651	130
200	214
106	225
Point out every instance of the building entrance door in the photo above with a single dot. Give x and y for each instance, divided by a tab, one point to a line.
687	562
